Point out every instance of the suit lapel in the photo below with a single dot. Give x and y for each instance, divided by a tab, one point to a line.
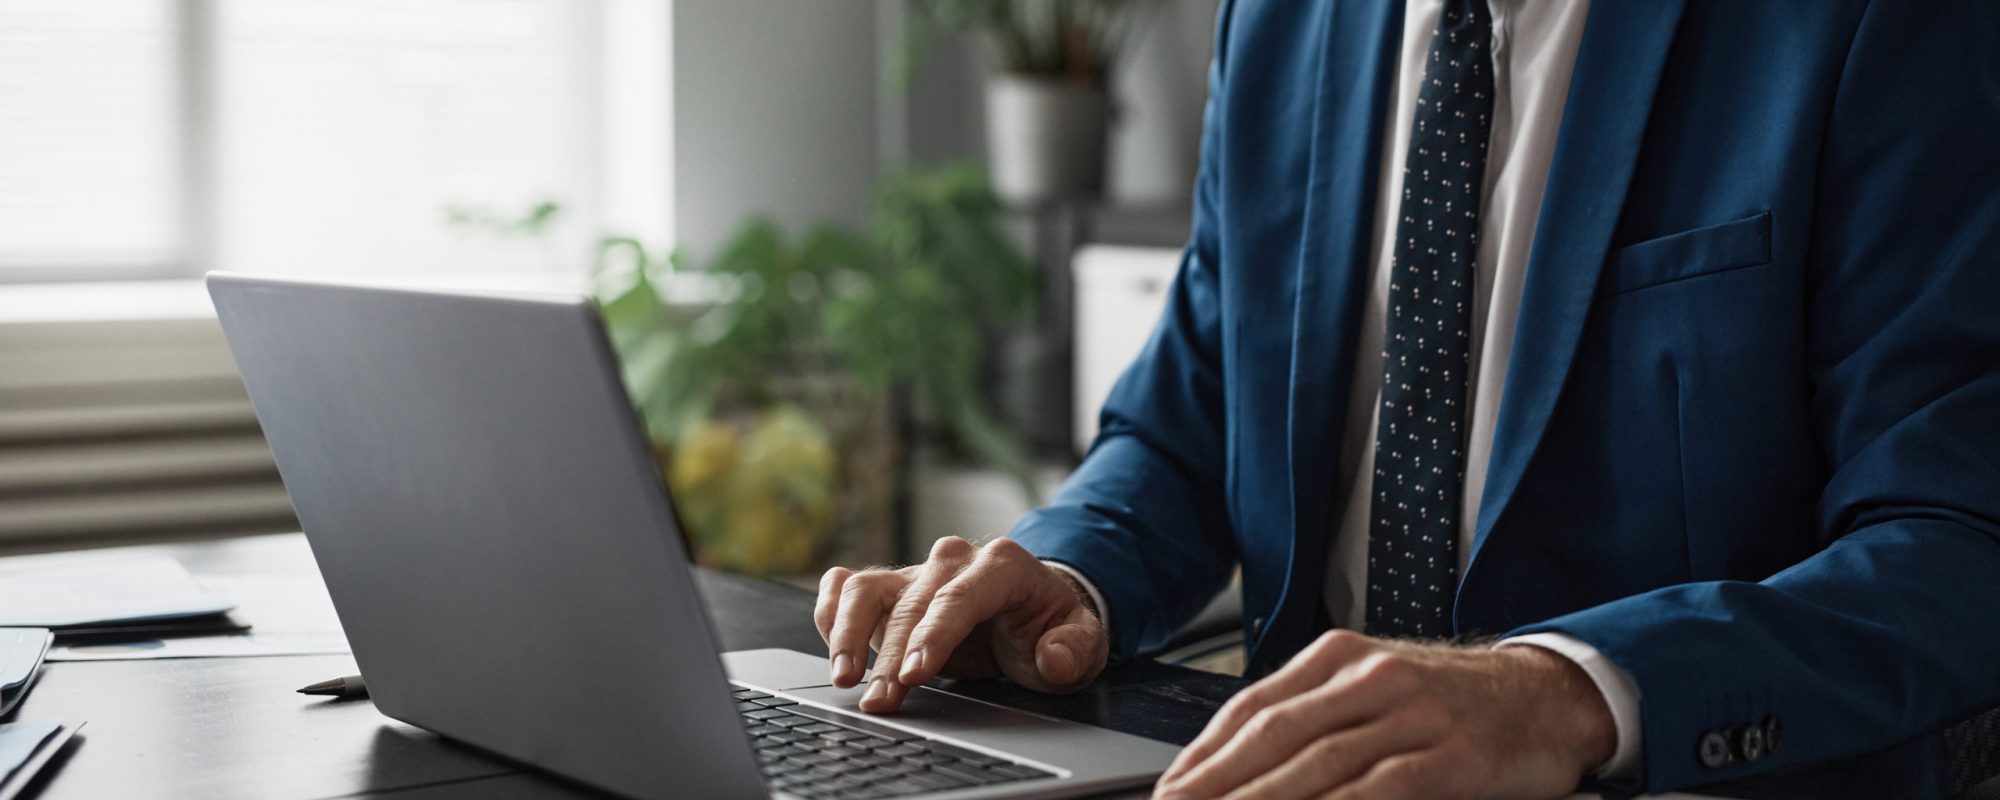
1618	65
1356	68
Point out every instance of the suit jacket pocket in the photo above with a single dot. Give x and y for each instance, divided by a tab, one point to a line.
1703	251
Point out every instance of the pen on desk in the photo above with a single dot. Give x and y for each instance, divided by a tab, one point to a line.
350	686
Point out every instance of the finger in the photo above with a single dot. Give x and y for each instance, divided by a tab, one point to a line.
1408	776
1069	656
1281	730
948	558
1311	667
1332	761
994	582
829	601
864	599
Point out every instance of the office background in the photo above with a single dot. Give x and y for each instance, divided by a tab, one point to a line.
566	145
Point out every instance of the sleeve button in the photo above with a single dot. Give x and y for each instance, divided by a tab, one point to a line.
1750	742
1714	749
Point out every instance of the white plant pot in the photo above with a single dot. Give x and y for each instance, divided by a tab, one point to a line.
1045	138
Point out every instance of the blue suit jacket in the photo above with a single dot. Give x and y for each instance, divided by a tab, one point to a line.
1749	444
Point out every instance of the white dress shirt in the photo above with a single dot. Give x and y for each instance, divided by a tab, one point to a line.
1534	50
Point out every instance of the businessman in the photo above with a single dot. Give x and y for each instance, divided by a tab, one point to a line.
1587	391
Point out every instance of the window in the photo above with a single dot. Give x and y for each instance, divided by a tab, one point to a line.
89	139
162	138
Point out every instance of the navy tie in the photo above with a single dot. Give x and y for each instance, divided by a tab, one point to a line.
1419	469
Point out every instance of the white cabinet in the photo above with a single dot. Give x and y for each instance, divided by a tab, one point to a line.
1120	292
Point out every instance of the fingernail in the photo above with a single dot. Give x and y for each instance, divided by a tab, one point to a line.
913	664
877	690
1066	658
841	664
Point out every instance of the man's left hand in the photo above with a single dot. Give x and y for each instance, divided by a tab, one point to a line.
1357	717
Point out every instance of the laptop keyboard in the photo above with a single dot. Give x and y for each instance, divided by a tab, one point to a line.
814	753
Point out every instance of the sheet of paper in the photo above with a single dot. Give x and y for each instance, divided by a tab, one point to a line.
25	747
113	591
289	615
245	644
20	740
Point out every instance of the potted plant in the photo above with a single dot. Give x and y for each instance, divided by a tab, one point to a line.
771	408
1048	109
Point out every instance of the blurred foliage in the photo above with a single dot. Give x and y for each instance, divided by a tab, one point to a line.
766	399
759	496
1075	40
535	223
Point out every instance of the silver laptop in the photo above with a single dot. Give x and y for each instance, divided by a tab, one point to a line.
503	555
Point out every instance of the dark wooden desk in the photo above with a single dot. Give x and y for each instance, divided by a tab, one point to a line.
233	727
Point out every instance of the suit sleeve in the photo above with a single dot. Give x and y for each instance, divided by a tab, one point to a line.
1143	518
1892	631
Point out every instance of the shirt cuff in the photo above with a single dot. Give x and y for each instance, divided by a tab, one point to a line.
1620	692
1096	597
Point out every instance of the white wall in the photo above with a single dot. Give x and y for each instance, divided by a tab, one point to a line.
1160	89
774	113
1157	142
778	109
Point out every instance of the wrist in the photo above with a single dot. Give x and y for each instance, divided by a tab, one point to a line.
1082	592
1583	731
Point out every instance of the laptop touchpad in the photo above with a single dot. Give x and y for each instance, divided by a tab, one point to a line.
930	710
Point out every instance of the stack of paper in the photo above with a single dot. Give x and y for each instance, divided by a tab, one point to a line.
111	592
288	614
21	653
153	608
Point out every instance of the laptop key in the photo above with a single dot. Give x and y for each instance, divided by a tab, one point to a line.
902	750
934	781
818	727
871	759
922	762
900	768
855	723
900	786
773	702
967	773
748	694
766	713
871	775
808	761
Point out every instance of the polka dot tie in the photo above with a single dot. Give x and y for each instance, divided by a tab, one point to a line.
1420	438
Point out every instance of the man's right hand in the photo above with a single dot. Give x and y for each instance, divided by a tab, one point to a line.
968	612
